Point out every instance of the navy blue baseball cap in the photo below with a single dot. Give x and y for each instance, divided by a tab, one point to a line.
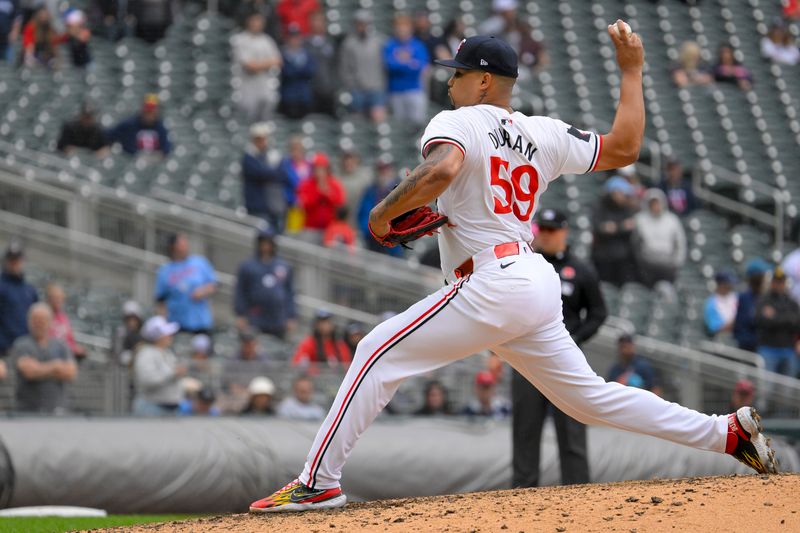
483	52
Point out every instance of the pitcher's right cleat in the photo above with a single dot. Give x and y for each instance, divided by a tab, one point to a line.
747	442
298	497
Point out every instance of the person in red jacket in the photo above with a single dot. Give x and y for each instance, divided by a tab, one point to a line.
321	347
296	12
321	195
339	232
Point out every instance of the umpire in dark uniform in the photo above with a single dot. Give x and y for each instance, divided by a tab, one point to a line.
584	313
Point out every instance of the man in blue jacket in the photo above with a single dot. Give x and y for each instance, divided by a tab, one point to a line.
406	58
264	185
264	296
744	326
143	132
16	297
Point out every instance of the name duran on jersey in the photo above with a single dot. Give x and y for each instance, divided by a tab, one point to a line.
500	137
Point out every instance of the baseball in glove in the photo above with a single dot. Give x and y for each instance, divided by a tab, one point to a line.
411	226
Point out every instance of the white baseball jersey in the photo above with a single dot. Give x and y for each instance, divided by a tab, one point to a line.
509	159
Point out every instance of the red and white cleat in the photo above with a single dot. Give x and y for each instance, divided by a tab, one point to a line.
297	497
747	442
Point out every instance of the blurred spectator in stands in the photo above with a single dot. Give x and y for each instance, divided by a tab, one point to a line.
743	395
200	403
791	266
339	234
257	63
719	310
261	392
729	70
77	37
249	347
297	167
678	189
613	223
200	352
321	347
16	297
60	326
361	69
355	178
744	328
83	132
436	402
690	69
296	12
240	10
264	294
110	16
660	240
297	73
486	403
779	45
435	45
184	286
128	334
629	174
321	195
778	326
43	365
265	182
386	179
324	84
156	370
144	132
507	24
791	9
454	33
10	28
406	59
40	40
353	333
300	405
153	17
631	369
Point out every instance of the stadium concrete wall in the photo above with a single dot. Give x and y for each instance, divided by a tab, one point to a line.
220	465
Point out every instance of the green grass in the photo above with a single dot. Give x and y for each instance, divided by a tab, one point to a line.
57	524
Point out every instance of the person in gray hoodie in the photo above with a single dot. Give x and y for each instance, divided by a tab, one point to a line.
157	371
659	239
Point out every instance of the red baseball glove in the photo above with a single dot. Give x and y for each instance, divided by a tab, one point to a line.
411	226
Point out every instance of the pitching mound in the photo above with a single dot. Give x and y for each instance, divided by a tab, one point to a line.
723	504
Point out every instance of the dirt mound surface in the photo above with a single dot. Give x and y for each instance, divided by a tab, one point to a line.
713	504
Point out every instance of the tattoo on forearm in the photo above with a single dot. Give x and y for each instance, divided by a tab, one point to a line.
412	181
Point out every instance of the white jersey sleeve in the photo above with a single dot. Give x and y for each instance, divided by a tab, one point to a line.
445	128
566	149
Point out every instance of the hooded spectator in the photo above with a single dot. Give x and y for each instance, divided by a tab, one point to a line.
613	223
264	297
60	326
361	69
779	45
156	370
144	132
298	70
690	70
321	195
436	402
719	311
321	347
744	327
486	403
265	182
406	59
184	286
300	405
678	189
44	364
257	64
324	83
16	297
778	326
83	132
660	240
261	393
386	179
729	70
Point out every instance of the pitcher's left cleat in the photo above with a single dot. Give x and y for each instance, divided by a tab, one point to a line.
297	497
747	442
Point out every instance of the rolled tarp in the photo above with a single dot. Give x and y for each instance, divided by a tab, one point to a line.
210	465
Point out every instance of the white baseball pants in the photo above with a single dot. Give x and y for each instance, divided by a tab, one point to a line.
516	312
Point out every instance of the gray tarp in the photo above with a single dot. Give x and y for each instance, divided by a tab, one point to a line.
220	465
